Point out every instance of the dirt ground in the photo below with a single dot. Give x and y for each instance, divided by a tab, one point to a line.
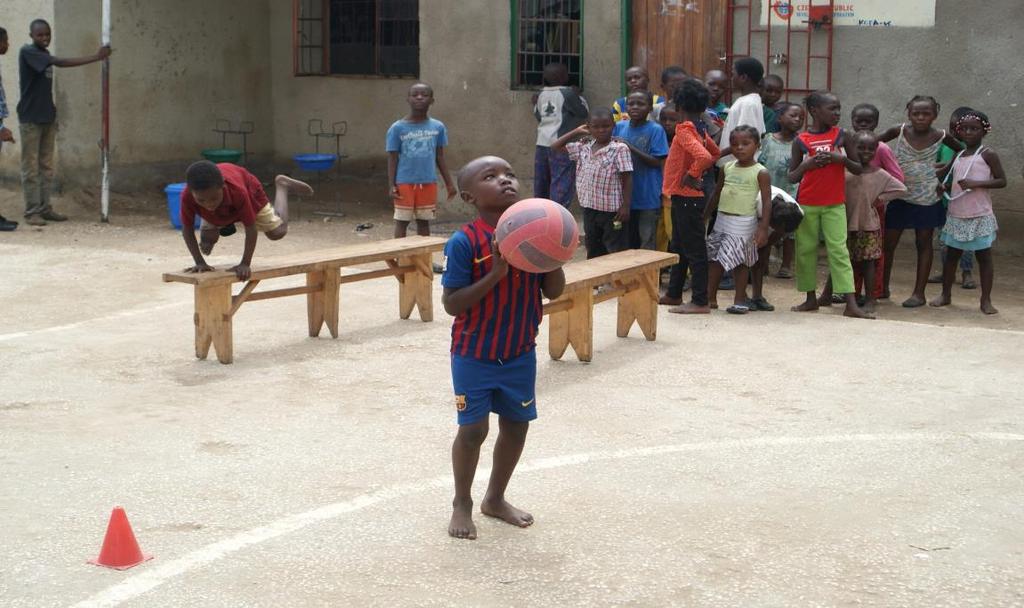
775	459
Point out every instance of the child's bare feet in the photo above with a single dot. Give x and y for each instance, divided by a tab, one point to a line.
914	301
987	308
502	510
869	306
809	305
461	525
941	300
690	309
856	312
293	185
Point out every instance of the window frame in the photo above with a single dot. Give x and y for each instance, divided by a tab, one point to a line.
515	28
325	70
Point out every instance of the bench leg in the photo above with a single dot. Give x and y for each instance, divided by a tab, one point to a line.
415	290
558	334
581	324
332	299
315	303
641	306
213	322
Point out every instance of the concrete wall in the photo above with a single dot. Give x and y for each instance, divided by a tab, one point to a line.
15	17
465	56
172	76
970	59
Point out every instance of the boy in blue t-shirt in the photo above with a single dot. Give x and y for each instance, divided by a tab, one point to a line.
497	310
415	146
649	146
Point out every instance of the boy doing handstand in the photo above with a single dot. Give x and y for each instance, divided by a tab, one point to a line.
497	310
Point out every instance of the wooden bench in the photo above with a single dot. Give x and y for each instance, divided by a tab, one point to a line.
631	276
408	260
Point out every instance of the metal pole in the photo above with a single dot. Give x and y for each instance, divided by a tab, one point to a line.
105	140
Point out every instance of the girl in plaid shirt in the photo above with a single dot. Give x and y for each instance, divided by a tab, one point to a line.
604	171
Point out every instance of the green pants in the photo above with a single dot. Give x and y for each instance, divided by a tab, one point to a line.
831	222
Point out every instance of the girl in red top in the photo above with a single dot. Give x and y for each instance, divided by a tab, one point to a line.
820	161
691	155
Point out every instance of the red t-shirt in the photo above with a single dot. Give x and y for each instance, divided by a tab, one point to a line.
824	186
243	198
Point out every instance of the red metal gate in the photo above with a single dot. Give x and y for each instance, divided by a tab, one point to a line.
793	40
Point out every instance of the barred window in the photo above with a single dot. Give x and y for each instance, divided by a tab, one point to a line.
357	37
543	32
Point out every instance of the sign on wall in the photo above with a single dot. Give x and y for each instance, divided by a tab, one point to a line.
861	13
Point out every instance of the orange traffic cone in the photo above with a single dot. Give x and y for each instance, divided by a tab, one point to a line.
120	549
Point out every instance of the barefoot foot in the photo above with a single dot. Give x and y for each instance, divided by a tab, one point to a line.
869	306
988	309
855	312
690	309
506	512
461	525
941	300
293	185
808	306
914	301
669	301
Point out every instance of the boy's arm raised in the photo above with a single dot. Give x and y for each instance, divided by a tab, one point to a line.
74	62
559	144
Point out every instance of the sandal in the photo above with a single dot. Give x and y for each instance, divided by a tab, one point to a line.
738	309
760	304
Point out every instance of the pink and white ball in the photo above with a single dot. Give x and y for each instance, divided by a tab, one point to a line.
537	235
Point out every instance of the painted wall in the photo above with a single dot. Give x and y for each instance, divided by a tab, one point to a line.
465	57
172	76
15	17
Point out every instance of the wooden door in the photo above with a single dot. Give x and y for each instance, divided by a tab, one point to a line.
688	33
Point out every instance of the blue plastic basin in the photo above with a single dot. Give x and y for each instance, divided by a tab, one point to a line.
173	192
315	162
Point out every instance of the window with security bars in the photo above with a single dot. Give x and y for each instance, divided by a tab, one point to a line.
357	37
543	32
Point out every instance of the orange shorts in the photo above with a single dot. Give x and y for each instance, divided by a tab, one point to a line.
416	202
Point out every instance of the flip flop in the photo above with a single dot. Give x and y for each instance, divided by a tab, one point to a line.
738	309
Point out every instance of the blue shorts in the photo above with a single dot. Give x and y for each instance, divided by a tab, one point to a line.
505	387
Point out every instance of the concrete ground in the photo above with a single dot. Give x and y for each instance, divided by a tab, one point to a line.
769	460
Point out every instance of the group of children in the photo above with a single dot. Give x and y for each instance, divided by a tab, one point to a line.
726	183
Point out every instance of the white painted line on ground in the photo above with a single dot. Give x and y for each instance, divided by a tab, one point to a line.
117	315
143	582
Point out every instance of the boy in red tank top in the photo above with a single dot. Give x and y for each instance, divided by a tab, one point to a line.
819	164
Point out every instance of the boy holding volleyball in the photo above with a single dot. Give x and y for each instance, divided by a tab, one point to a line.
497	310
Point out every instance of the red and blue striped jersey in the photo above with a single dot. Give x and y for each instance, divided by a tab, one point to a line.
504	323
